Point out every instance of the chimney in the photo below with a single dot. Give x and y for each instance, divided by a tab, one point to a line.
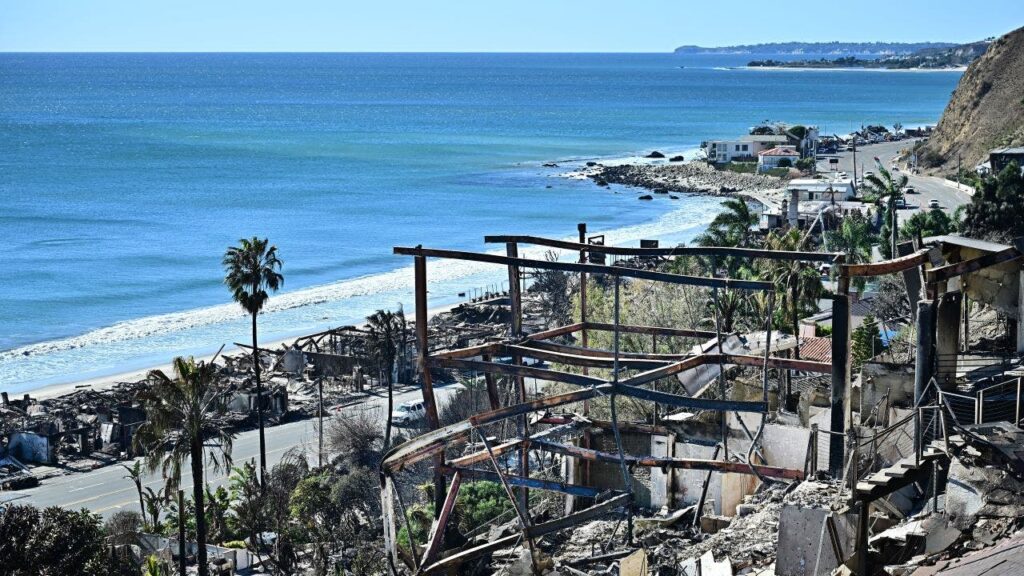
794	207
4	400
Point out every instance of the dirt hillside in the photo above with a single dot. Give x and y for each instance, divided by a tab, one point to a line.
986	110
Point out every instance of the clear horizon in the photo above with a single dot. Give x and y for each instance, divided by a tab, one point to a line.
530	26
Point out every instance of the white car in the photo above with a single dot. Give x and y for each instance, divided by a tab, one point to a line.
933	204
408	412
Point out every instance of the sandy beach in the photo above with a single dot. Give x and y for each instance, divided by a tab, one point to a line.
109	381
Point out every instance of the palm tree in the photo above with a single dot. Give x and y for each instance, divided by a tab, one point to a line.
799	284
154	502
252	268
186	414
384	327
853	238
135	475
885	185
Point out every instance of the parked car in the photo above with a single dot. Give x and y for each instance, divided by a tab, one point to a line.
408	412
909	190
933	203
869	173
901	203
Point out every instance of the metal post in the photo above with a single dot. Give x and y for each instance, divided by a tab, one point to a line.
585	440
320	416
814	449
627	481
427	388
917	436
721	368
704	490
181	532
1016	412
981	407
516	302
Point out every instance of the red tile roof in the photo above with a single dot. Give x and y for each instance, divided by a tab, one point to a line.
779	151
816	348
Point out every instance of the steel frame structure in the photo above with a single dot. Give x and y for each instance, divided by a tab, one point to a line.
646	368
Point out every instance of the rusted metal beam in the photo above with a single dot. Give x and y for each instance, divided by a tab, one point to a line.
583	360
639	427
427	386
588	268
666	251
950	271
688	401
584	515
783	363
601	353
555	332
667	462
538	404
520	481
469	352
437	529
651	330
513	370
450	562
885	267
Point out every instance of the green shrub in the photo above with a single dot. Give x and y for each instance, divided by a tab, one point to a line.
479	503
238	544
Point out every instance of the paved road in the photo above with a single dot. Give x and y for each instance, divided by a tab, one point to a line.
927	187
105	490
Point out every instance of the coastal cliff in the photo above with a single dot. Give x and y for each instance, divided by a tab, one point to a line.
986	110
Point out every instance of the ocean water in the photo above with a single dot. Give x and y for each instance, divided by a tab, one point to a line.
123	178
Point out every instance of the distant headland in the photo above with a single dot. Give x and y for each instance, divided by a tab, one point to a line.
821	48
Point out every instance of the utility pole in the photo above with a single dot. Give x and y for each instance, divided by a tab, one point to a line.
855	163
320	427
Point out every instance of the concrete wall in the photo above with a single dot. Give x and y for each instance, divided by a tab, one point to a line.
804	548
878	377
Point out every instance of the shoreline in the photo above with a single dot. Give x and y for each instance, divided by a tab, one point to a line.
853	69
98	383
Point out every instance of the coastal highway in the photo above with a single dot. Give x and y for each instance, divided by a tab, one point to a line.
106	490
927	187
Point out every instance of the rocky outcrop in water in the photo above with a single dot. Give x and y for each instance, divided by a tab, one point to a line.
695	177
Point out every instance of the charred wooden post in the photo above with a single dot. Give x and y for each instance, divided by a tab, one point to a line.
493	398
427	385
924	362
947	339
840	376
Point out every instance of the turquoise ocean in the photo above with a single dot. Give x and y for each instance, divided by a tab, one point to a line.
123	178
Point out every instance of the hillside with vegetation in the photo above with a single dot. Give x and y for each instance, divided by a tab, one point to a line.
986	110
928	58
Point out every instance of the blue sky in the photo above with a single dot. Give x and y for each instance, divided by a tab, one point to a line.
482	25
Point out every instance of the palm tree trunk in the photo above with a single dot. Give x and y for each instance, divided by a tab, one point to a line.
198	490
895	229
142	501
259	402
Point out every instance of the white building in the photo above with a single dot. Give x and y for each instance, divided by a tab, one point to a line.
837	189
779	157
746	148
